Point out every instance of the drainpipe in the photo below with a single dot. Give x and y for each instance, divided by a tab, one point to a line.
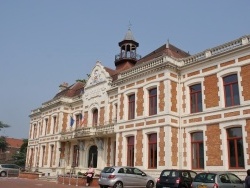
179	122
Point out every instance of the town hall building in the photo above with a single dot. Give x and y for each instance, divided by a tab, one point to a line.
168	109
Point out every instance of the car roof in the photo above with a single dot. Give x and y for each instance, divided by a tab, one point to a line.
216	172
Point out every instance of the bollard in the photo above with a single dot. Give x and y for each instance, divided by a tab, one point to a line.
63	177
69	177
57	177
77	180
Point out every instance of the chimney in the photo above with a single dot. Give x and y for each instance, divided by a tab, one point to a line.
63	86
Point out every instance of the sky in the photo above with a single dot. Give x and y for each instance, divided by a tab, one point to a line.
45	43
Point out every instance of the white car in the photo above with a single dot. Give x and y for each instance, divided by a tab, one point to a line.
124	176
9	169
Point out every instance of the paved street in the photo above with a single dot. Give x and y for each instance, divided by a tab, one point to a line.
15	182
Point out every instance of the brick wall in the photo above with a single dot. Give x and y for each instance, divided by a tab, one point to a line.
247	129
140	101
139	147
174	147
213	144
245	83
211	91
162	147
174	96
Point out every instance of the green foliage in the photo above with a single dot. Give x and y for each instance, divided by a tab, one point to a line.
3	144
3	125
20	158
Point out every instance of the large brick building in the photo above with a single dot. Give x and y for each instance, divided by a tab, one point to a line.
168	109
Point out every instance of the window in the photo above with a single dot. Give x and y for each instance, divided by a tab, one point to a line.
131	106
195	98
46	125
35	131
54	123
197	147
78	120
51	155
153	101
130	151
43	155
95	117
231	90
152	150
235	147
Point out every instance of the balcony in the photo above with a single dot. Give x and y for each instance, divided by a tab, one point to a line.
99	130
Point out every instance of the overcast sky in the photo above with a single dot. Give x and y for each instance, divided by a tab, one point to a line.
47	42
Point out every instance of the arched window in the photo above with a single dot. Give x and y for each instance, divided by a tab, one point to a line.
95	117
130	150
235	147
152	150
197	147
92	158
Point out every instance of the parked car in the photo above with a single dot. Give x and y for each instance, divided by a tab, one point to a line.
9	169
174	178
124	176
217	180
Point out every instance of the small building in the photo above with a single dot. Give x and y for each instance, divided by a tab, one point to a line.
14	146
167	109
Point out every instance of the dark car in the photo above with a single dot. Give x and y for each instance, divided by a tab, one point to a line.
218	180
175	178
124	176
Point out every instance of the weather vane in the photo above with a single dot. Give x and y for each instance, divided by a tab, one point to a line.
129	25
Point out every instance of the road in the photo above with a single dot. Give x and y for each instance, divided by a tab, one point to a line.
14	182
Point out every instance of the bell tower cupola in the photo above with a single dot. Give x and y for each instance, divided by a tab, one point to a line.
128	56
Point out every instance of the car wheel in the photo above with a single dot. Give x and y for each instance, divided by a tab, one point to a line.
3	174
118	185
150	184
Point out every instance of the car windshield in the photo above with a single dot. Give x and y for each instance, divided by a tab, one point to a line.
205	178
108	170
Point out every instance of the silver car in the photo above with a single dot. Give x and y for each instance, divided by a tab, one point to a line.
124	176
9	169
218	180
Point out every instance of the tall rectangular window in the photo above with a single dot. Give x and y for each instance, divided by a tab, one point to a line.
95	117
35	131
43	155
51	155
235	147
195	98
54	124
46	125
153	101
231	90
130	151
78	120
131	106
197	147
152	150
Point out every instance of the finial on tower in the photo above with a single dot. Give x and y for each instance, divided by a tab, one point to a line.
129	25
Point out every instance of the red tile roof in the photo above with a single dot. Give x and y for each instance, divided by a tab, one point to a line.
166	49
14	143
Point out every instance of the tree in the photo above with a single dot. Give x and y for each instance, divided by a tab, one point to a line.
3	144
20	157
2	125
